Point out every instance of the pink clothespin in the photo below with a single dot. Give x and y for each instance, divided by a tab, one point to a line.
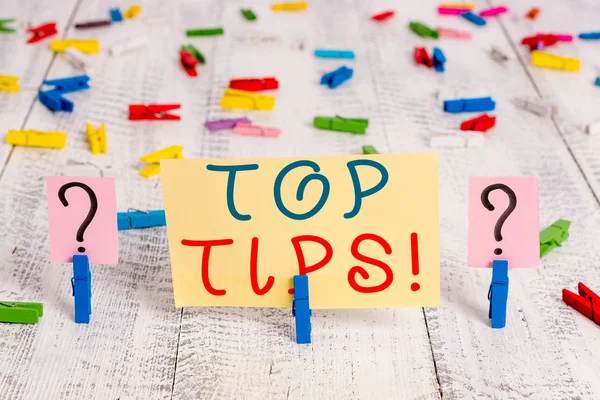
452	11
492	12
562	37
253	130
453	33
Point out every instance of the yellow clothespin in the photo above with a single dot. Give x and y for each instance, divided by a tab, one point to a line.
9	83
50	140
96	138
91	46
132	12
469	6
547	60
170	153
301	5
234	98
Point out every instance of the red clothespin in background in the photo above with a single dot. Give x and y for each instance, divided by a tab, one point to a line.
152	112
421	57
480	124
383	16
188	62
539	41
254	84
42	32
586	302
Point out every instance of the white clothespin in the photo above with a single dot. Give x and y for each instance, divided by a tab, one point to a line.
536	106
453	138
128	46
593	128
498	56
78	60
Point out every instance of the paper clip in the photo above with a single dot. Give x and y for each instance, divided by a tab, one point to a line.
132	12
493	11
533	13
537	106
383	16
9	83
82	288
498	56
479	124
589	35
224	124
96	138
422	57
91	46
93	24
169	153
453	33
254	84
253	130
248	14
115	14
553	236
153	112
451	10
585	302
301	309
473	18
454	139
188	62
140	219
345	54
368	149
547	60
4	28
438	60
335	78
423	30
204	32
302	5
42	32
78	60
245	100
29	138
127	46
20	313
194	53
469	105
498	293
350	125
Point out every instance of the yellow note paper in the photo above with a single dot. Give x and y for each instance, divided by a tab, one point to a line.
365	229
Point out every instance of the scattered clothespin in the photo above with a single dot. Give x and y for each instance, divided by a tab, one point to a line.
301	309
368	149
20	313
540	41
438	60
153	112
127	46
589	35
301	5
478	124
70	84
346	54
533	13
586	302
498	56
383	16
536	106
453	33
254	84
42	32
454	139
422	57
29	138
423	30
473	18
4	28
9	83
115	14
188	62
132	12
493	11
452	10
91	46
553	236
337	123
466	6
78	60
96	138
136	219
194	52
169	153
593	128
242	99
547	60
248	14
562	37
498	293
335	78
82	288
469	105
253	130
54	101
204	32
93	24
224	124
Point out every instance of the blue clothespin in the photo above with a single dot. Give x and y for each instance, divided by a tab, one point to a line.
140	219
115	15
498	293
474	18
597	82
69	85
301	309
348	54
82	288
438	59
469	105
336	78
589	35
55	101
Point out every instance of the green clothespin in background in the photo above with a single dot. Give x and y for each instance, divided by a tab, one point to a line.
194	52
204	32
553	236
423	30
337	123
6	29
248	14
20	313
368	149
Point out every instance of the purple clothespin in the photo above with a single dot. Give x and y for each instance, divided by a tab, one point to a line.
222	124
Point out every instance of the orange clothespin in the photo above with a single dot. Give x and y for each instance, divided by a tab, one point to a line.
42	32
533	13
586	302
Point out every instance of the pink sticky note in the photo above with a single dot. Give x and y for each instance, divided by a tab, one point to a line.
99	240
517	240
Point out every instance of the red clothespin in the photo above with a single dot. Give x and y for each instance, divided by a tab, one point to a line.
421	57
42	32
534	41
586	302
383	16
188	62
255	84
480	124
152	112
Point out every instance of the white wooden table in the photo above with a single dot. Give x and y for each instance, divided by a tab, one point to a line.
139	346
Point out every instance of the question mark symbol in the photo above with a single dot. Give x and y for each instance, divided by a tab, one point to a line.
512	204
91	213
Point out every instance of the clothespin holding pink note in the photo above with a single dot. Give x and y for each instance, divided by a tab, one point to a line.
253	130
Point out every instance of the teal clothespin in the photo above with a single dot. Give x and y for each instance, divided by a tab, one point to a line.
368	149
20	313
337	123
423	30
6	29
553	236
194	52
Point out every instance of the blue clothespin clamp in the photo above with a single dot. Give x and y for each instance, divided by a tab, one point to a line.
140	219
53	98
301	309
336	78
478	104
115	14
82	288
348	54
474	18
54	101
438	59
498	293
589	35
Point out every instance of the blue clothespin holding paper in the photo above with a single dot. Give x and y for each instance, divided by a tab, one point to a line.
335	78
301	309
498	293
82	288
140	219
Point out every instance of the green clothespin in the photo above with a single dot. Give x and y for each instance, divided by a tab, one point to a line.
351	125
368	149
248	14
553	236
423	30
20	313
6	29
194	52
205	32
